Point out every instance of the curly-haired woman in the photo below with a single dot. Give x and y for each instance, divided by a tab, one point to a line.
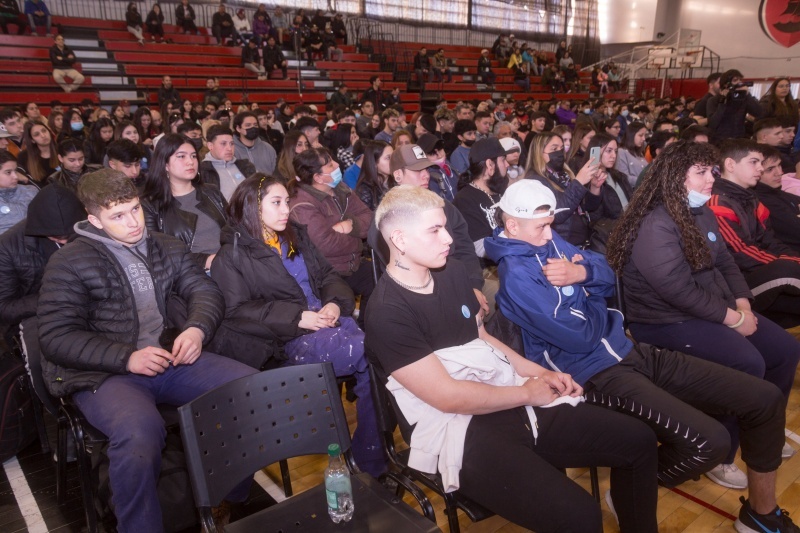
683	290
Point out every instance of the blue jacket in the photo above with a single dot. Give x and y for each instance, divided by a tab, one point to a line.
568	329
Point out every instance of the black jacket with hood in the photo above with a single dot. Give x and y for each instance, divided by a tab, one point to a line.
182	224
25	250
661	287
784	213
88	322
263	302
68	179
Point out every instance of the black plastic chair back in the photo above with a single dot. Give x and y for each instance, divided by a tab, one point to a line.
257	420
29	336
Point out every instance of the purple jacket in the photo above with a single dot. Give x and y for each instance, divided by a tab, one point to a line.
566	117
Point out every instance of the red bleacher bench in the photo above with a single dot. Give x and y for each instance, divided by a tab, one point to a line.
156	49
18	52
174	59
12	98
179	38
337	65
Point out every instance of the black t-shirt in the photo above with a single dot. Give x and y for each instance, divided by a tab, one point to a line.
403	327
476	208
701	107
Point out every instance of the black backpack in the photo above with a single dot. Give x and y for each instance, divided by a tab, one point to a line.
17	420
175	495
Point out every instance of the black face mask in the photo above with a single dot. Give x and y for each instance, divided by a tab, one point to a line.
251	134
556	160
197	143
469	143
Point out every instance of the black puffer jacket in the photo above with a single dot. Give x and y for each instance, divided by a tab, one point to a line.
572	225
88	325
25	249
661	287
182	224
263	301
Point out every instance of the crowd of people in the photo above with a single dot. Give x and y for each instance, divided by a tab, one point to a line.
166	251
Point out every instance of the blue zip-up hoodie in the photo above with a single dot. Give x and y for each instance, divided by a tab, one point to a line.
568	329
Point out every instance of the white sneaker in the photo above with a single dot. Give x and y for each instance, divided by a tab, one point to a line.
728	476
610	504
787	451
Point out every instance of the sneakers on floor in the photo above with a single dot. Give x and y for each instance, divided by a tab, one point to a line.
610	504
777	521
787	451
728	476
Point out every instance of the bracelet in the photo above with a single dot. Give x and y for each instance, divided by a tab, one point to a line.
740	322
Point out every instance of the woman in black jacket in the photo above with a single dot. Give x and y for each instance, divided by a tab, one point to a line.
375	177
100	136
133	20
281	293
573	198
155	23
683	290
177	203
615	191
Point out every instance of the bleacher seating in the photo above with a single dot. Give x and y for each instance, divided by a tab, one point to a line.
191	59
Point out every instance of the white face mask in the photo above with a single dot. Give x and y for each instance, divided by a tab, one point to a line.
440	162
697	199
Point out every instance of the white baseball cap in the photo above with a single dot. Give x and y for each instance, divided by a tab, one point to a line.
4	132
510	145
525	197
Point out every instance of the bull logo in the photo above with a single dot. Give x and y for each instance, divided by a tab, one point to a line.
780	20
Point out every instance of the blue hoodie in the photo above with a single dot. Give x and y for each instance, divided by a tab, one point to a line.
568	329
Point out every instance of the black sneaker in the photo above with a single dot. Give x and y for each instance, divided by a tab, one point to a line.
777	521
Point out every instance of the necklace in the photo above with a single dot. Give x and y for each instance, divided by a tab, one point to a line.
411	287
487	193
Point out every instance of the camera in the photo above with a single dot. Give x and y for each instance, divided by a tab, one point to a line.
740	85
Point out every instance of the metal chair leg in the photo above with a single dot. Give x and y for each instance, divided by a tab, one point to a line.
61	460
451	508
595	483
287	479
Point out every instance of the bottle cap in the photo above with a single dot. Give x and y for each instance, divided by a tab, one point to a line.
334	450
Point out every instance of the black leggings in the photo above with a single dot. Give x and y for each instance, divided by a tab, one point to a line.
362	282
677	394
506	471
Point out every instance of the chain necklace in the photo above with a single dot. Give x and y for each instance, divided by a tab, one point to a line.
487	193
411	287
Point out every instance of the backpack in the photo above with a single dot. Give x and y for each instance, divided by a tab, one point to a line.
18	426
178	509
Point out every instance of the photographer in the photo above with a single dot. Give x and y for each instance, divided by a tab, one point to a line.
727	111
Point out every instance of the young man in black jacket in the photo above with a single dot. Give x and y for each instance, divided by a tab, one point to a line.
10	14
184	17
220	166
105	337
784	207
274	58
222	25
167	92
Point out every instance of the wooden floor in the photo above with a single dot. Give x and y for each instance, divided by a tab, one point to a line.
676	512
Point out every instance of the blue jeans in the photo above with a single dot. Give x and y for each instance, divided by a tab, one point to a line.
124	408
770	353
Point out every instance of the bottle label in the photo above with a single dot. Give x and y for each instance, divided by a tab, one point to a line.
333	500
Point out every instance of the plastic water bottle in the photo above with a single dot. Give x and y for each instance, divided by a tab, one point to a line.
338	489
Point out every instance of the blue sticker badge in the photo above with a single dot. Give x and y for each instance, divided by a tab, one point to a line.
712	237
465	311
568	290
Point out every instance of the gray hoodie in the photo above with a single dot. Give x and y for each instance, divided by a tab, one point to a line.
133	260
229	175
261	154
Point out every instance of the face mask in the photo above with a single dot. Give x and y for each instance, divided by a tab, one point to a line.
624	112
440	162
556	160
197	143
76	126
336	176
513	173
251	134
469	142
697	199
587	111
